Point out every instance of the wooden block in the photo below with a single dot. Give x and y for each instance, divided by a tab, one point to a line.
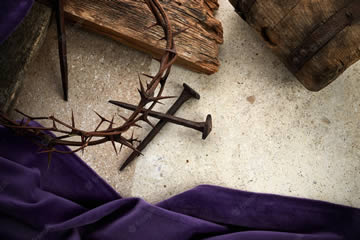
317	40
127	21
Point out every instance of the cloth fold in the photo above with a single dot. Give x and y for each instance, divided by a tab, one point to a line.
68	200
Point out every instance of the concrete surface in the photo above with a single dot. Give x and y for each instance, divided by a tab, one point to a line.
19	50
270	134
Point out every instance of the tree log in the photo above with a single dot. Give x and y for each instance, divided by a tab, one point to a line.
317	40
128	22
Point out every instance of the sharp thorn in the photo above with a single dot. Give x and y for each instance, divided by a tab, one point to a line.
132	135
72	119
20	112
175	34
150	123
111	123
147	75
47	151
114	146
83	141
101	117
136	125
152	25
179	32
142	94
141	85
170	50
156	99
127	144
121	146
124	118
98	115
158	102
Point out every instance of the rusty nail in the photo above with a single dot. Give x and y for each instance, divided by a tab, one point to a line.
186	94
204	127
62	46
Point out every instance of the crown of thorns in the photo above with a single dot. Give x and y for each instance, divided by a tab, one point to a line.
150	93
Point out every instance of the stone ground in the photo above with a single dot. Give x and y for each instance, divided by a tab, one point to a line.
270	134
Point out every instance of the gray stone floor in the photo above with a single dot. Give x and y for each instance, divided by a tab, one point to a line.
270	134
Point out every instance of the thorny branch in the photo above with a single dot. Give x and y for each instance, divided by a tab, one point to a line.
48	142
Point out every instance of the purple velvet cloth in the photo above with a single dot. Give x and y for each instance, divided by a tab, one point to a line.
12	13
70	201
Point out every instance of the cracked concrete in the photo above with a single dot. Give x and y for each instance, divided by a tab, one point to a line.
270	134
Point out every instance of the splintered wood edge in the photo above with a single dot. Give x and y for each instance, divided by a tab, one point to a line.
199	61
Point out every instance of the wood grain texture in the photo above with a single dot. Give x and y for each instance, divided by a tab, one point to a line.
127	21
289	25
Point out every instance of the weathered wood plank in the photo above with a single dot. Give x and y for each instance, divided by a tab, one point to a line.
127	21
317	40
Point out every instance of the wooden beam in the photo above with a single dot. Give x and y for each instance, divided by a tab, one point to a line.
127	21
317	40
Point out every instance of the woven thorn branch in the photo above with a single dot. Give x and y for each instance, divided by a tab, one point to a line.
115	134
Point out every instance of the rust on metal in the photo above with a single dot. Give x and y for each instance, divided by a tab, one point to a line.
203	127
150	94
187	94
60	22
58	6
322	35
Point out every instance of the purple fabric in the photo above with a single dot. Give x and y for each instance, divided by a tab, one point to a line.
12	13
70	201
